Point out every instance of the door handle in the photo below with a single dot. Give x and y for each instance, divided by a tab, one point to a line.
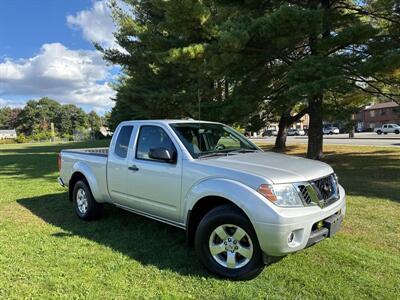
133	168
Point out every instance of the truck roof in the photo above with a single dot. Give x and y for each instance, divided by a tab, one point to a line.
169	121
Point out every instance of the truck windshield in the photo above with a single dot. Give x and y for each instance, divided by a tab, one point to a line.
209	139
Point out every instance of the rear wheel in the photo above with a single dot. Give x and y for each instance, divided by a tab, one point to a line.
85	206
227	244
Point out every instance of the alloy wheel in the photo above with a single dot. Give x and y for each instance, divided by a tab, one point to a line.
82	201
231	246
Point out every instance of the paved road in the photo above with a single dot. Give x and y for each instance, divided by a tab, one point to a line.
361	139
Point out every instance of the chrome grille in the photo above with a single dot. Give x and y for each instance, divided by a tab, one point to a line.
304	194
323	191
326	187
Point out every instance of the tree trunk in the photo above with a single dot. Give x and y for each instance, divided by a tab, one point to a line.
351	131
315	135
284	124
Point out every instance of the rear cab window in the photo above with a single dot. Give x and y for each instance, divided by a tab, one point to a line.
123	139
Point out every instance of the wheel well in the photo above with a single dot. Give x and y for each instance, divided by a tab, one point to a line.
199	210
77	176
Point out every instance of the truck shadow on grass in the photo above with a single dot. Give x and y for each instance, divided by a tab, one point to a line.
144	240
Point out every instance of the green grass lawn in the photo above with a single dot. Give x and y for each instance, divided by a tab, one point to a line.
47	252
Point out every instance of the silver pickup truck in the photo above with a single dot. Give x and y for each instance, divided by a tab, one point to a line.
241	207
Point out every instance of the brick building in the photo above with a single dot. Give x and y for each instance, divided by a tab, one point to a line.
375	115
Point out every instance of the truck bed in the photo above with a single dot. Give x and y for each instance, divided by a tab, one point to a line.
89	151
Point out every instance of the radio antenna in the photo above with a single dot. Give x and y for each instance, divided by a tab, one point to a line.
198	104
199	111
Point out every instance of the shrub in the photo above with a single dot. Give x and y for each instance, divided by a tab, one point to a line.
21	138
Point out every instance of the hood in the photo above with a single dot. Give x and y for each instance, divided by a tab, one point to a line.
277	168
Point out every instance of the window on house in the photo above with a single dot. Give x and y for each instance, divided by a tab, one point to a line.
372	113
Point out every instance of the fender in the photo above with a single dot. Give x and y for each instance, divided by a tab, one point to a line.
254	205
91	179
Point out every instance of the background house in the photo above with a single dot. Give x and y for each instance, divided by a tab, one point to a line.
8	134
375	115
302	124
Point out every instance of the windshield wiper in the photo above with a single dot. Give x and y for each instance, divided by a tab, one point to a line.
213	154
242	151
226	153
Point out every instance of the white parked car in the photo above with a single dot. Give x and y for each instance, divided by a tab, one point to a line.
301	132
296	132
388	128
241	207
331	130
292	132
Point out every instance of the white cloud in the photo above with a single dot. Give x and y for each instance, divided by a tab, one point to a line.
95	23
11	103
71	76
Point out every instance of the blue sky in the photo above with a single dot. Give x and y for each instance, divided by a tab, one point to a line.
46	49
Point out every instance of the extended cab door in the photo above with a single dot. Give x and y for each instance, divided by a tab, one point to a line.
156	184
117	165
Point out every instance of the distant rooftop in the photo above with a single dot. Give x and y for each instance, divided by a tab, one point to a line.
7	131
382	105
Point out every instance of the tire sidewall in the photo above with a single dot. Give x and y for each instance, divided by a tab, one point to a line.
83	185
211	221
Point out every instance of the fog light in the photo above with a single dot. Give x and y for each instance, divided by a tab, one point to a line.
320	224
290	238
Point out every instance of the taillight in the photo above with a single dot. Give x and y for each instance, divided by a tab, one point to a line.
59	162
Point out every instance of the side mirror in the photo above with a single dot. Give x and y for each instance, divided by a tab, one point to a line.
162	154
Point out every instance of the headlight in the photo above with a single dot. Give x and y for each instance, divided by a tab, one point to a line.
281	194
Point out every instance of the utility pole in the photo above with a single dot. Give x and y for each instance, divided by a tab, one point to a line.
53	135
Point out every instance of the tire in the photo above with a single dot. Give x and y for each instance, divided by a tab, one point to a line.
85	206
379	132
231	220
396	131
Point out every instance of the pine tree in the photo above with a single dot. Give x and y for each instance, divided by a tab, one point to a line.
236	59
287	53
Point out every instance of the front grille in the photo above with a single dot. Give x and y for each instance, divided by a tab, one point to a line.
323	191
326	187
304	193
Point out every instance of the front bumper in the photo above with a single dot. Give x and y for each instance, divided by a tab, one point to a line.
296	229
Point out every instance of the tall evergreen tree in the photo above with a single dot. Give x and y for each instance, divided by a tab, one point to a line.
304	52
235	59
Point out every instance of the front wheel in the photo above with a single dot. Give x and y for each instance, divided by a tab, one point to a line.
85	206
397	131
227	244
379	132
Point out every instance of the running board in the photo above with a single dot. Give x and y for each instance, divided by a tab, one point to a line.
172	223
